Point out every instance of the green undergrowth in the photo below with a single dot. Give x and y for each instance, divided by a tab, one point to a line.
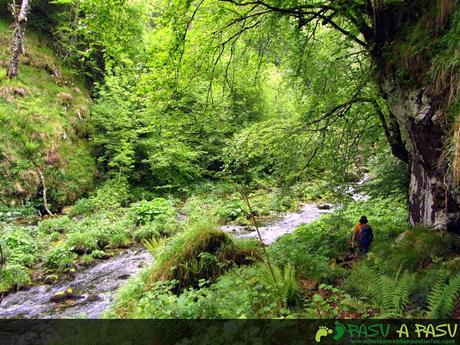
113	217
187	263
394	280
409	272
43	117
60	245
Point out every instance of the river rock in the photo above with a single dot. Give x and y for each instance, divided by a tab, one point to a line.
63	296
72	272
80	250
93	298
51	279
58	297
38	278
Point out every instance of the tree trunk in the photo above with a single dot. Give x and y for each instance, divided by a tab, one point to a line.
44	190
432	201
17	44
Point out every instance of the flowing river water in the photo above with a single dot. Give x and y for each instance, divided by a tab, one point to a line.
96	287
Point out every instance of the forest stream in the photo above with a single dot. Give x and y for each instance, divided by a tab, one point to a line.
95	288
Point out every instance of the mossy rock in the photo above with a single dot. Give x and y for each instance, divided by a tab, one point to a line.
203	253
51	279
65	295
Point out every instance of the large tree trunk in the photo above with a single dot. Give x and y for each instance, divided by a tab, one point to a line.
432	200
17	44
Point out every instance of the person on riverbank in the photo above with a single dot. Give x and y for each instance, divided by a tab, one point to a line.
362	236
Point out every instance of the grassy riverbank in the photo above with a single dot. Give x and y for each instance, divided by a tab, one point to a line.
48	250
405	275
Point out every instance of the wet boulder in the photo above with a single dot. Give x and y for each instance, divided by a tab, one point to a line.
65	295
72	272
80	250
93	298
51	279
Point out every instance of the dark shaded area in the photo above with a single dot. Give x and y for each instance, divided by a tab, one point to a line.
216	332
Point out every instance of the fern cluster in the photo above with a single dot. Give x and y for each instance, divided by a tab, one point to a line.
286	282
443	296
390	295
395	293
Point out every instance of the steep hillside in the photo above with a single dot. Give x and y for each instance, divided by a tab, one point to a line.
43	129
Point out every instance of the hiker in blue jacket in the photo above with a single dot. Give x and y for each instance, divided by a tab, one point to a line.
363	236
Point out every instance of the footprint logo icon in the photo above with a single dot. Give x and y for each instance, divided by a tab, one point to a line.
322	331
339	331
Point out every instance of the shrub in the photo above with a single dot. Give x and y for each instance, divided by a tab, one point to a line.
60	225
119	239
146	232
53	237
99	254
314	244
83	207
86	260
332	302
14	276
115	235
417	248
148	211
308	265
82	242
191	260
156	216
10	214
111	195
232	210
217	209
59	258
244	292
20	246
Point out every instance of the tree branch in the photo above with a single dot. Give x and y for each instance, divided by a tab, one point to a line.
311	12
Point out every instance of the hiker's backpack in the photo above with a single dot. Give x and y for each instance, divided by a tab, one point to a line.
365	235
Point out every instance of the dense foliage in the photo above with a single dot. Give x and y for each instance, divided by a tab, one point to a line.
154	123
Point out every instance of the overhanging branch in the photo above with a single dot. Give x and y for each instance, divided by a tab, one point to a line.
311	12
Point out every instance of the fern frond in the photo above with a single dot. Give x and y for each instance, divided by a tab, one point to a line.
443	298
436	296
365	280
452	294
153	245
402	291
386	287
